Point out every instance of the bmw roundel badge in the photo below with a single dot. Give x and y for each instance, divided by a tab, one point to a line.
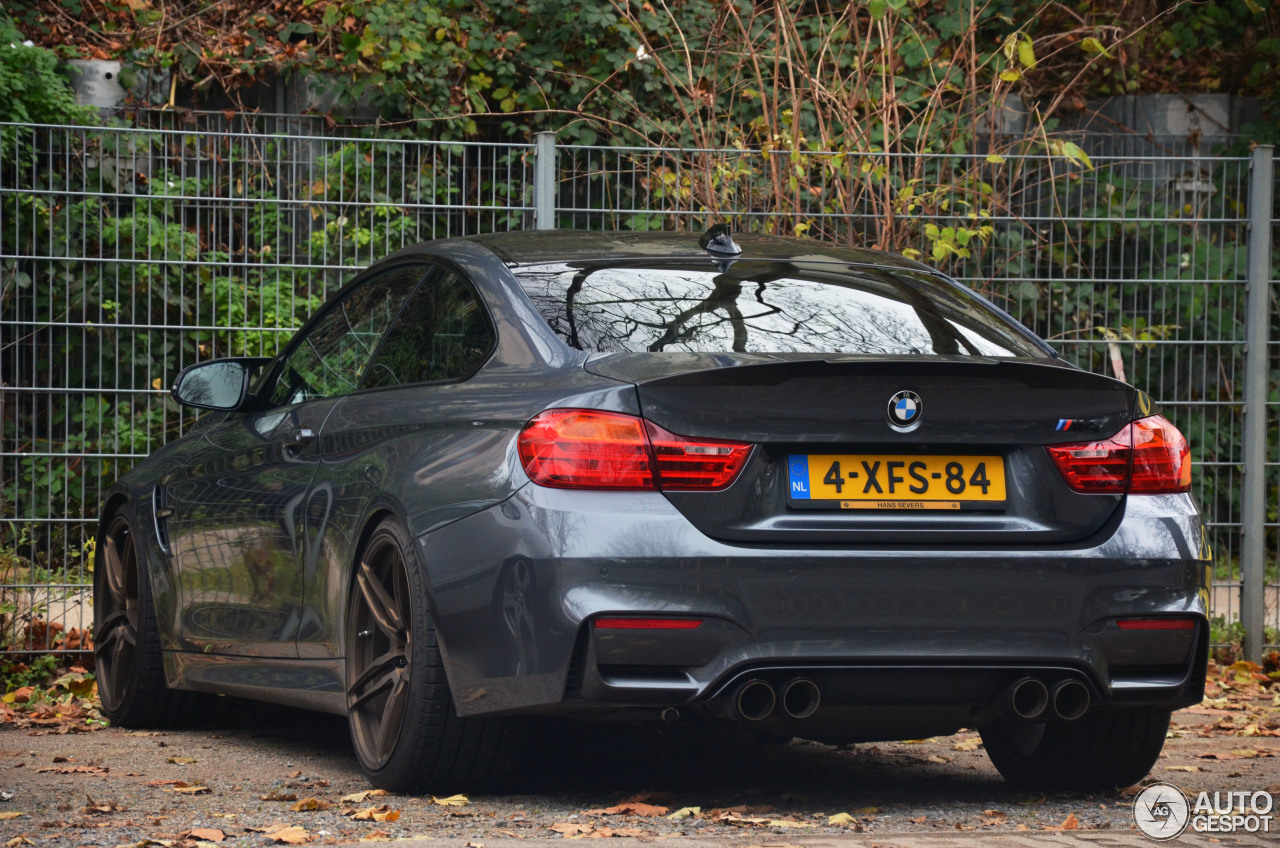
905	409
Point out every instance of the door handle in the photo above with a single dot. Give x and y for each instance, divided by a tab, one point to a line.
301	437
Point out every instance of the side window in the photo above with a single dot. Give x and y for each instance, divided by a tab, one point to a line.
443	334
334	355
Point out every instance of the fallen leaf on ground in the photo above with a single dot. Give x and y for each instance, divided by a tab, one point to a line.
630	809
357	797
204	834
934	758
191	790
380	814
572	829
309	805
685	813
266	828
967	744
842	818
182	761
280	796
167	783
451	801
100	806
18	840
1069	823
73	770
10	816
290	836
1182	768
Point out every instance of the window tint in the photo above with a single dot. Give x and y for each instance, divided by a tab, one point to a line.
442	334
768	307
332	358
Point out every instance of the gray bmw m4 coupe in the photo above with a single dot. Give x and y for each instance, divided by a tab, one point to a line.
788	489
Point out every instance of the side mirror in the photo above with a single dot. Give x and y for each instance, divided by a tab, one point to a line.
221	384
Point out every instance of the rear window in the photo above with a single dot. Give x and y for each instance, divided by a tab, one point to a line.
768	307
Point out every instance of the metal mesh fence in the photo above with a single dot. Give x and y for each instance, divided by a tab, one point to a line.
1131	265
127	254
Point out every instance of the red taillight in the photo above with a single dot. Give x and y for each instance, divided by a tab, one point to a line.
590	449
694	463
1161	458
1156	623
648	623
1148	457
586	449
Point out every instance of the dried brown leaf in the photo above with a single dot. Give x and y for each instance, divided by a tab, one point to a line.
634	808
204	834
279	796
290	836
310	805
358	797
451	801
191	790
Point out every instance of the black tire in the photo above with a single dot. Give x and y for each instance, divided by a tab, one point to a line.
406	733
1101	751
126	638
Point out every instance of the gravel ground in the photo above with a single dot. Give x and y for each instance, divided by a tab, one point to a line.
115	787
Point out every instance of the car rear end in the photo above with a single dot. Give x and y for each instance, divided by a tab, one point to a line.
848	499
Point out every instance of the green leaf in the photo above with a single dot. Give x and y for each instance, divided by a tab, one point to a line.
1026	52
1093	45
1011	75
995	159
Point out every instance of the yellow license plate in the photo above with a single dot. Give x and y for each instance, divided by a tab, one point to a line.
895	481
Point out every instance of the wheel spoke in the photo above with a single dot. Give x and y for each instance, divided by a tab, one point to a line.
393	716
364	688
115	573
118	626
381	605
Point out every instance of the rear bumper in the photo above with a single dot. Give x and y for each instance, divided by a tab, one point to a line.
516	587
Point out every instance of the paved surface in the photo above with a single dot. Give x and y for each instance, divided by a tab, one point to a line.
906	840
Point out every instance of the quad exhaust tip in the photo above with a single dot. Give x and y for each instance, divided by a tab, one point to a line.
800	697
756	700
1070	700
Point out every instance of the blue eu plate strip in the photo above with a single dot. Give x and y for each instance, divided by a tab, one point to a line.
798	466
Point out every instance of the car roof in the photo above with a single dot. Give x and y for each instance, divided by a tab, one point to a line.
541	247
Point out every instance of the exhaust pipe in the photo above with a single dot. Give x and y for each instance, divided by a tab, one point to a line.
800	697
1027	698
755	700
1070	700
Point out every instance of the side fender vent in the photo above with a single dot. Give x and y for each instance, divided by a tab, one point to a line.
161	511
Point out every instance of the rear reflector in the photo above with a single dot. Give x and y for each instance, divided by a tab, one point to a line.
590	449
1148	457
648	623
1156	623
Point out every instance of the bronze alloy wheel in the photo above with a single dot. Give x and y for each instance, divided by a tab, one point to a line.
116	615
379	650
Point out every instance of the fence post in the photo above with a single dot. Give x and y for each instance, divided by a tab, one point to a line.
1254	491
544	181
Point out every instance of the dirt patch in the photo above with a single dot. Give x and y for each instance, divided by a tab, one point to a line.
250	770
